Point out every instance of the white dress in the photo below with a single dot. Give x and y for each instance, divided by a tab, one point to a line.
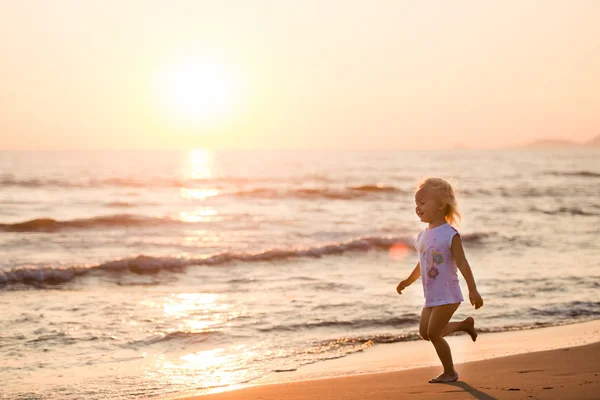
438	268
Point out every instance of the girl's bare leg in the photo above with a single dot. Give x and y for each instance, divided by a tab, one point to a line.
440	315
467	325
424	322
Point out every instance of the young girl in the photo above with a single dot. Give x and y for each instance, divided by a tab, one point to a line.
440	253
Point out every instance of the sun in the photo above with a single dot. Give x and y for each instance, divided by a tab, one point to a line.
197	91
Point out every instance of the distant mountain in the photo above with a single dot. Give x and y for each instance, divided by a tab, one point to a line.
553	143
595	142
557	143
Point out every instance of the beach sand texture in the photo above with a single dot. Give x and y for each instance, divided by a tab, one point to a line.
569	373
510	365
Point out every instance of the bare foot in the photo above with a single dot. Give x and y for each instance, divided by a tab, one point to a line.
445	378
469	324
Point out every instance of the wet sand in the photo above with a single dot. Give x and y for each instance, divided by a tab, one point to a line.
570	373
561	373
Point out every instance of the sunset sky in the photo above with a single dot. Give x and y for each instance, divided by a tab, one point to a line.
297	74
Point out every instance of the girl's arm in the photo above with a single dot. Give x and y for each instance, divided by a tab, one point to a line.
461	262
414	275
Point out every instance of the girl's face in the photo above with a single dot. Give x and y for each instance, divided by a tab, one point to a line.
428	207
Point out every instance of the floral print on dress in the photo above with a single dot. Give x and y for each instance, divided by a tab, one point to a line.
437	257
433	272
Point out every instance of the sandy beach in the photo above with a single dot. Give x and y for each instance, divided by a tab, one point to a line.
569	371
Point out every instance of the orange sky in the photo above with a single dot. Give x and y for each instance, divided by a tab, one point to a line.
305	74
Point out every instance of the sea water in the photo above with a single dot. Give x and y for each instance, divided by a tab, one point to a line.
131	274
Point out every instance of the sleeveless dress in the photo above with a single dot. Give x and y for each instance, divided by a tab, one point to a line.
438	268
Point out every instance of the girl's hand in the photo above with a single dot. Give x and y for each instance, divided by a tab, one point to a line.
402	285
475	299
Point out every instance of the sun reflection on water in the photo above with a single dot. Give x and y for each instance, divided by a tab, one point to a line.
186	304
198	194
215	368
194	312
198	165
203	214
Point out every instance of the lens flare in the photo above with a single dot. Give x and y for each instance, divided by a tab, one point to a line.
398	251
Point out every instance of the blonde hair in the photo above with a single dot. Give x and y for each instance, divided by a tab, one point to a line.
446	196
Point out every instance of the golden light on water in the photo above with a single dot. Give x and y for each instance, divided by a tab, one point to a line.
206	359
201	236
199	164
182	304
218	368
196	312
203	214
197	194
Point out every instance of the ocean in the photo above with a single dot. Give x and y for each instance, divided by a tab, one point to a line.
134	274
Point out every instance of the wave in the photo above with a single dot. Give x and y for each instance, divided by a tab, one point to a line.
142	264
376	191
347	193
413	335
523	192
120	204
583	174
66	338
573	309
281	189
346	345
352	324
565	210
7	180
344	193
52	225
188	336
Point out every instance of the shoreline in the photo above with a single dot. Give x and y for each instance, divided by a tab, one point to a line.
411	364
524	376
